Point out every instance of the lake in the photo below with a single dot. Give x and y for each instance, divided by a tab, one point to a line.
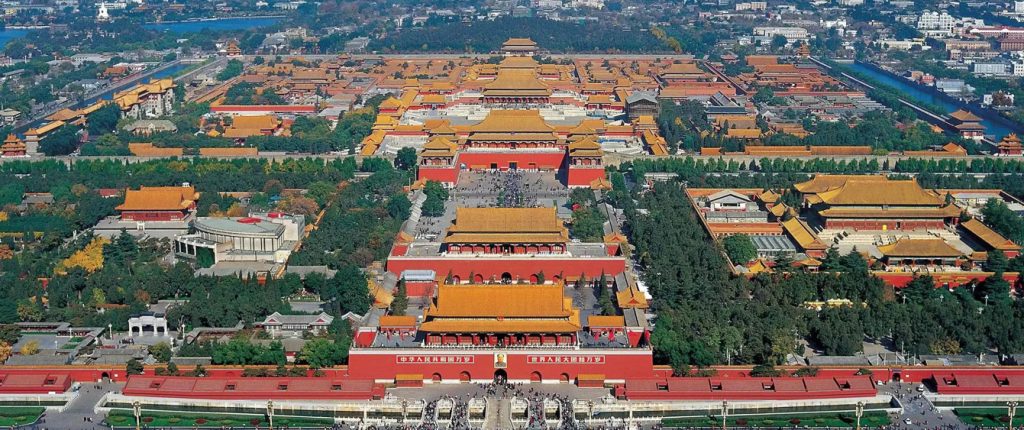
9	34
219	24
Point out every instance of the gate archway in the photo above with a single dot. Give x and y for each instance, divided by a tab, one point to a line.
536	377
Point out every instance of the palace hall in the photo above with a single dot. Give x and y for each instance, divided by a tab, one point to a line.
875	203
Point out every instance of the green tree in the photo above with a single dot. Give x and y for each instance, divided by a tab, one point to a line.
134	367
399	206
401	300
63	141
232	69
104	119
996	262
122	250
604	296
405	159
320	353
321	192
739	248
779	41
436	194
1003	220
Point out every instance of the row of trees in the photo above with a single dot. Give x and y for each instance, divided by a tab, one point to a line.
207	175
487	36
689	166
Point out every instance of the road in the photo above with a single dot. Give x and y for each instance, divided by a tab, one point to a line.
80	414
917	409
498	415
217	63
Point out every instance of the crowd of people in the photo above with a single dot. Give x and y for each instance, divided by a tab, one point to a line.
429	419
535	418
567	415
460	415
511	188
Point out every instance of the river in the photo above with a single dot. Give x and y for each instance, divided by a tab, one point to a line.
914	93
219	24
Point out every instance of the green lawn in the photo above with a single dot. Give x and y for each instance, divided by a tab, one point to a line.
845	419
122	418
987	417
19	415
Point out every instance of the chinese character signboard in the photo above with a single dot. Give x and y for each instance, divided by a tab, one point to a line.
565	359
434	359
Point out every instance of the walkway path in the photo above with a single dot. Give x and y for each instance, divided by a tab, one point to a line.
917	409
80	413
498	415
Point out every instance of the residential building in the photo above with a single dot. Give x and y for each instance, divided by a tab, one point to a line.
278	325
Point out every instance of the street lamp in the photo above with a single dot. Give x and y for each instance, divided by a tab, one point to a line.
137	410
1012	409
859	412
725	412
270	414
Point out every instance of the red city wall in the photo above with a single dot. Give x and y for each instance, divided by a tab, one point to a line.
448	175
583	177
57	379
269	388
749	388
450	364
521	268
953	279
523	160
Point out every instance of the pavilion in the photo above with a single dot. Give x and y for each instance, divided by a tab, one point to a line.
1010	145
13	147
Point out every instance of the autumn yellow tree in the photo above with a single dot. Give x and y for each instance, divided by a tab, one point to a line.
299	205
30	348
89	258
5	351
235	210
